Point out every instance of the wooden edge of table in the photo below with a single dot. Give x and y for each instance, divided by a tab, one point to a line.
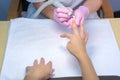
3	39
115	23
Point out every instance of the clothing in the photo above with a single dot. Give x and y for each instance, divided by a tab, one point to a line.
68	3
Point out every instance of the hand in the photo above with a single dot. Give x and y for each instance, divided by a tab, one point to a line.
61	15
80	14
78	40
39	71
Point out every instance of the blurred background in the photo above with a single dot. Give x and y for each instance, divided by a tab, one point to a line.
4	6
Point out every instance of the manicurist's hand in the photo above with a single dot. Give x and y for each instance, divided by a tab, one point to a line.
61	15
80	14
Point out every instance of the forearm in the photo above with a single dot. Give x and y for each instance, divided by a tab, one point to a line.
88	72
93	5
48	11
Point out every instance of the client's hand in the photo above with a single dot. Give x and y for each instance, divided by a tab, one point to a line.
39	71
78	40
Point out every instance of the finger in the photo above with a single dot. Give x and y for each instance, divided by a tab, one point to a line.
70	24
49	64
65	23
63	20
82	20
66	35
86	37
74	27
53	70
42	61
81	30
78	19
35	62
28	68
63	15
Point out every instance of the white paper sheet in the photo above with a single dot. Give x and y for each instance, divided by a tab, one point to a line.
32	39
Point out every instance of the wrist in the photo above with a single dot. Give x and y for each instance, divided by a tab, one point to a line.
82	55
84	10
27	77
31	77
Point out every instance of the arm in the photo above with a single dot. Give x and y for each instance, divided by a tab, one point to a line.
93	5
87	68
58	14
48	11
77	47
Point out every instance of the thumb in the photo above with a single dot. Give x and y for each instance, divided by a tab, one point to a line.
66	35
28	68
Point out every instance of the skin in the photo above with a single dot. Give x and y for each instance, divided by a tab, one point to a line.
93	6
39	71
77	47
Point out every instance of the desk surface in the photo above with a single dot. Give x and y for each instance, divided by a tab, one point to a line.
4	30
